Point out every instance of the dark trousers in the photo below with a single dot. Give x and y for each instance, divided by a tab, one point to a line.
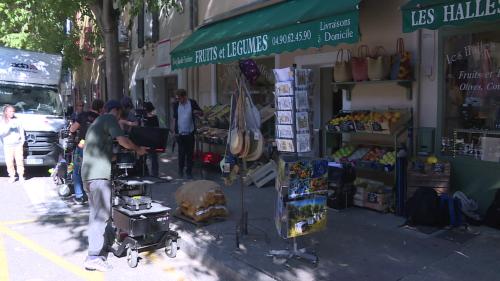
185	144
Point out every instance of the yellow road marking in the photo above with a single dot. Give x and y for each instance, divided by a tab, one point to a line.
157	259
4	267
17	222
86	275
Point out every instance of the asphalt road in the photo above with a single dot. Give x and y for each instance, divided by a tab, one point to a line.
43	237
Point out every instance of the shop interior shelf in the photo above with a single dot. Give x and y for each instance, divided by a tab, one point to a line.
476	131
349	86
476	144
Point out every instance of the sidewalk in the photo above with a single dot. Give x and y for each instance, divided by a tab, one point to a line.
358	244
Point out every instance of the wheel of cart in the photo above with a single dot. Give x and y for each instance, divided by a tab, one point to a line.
171	248
132	257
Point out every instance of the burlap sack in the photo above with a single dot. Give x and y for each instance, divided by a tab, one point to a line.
204	214
196	195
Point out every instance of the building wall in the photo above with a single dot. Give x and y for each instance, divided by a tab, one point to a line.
145	68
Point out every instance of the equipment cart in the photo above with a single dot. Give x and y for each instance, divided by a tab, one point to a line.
141	224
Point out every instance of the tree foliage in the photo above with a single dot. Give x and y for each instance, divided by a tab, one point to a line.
39	25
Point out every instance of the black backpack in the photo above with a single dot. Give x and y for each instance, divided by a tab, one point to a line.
425	208
492	217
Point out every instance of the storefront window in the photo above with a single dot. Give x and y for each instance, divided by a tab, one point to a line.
262	89
472	93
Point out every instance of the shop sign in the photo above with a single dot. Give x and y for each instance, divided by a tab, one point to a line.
449	13
475	68
328	31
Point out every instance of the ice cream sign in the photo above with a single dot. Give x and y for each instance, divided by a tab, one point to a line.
451	13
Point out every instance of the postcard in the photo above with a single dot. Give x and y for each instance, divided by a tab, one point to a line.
284	117
283	88
285	145
303	143
285	131
284	103
302	122
302	102
283	74
303	77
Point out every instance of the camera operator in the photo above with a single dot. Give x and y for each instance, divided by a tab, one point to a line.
81	124
96	174
128	118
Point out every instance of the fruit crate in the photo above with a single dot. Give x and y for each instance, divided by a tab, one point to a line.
388	122
342	122
362	121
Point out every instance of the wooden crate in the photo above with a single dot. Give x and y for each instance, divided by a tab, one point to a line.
388	128
430	179
377	201
262	175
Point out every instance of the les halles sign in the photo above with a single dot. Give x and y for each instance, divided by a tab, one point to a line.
451	13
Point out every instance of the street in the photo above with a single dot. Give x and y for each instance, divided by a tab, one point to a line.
42	237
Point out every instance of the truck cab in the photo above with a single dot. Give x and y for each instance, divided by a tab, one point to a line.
30	82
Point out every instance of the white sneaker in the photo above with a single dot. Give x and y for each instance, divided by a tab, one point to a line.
21	179
98	264
12	179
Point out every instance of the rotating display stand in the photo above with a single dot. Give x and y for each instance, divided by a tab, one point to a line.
302	181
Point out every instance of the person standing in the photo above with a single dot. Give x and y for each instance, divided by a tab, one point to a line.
151	120
96	174
128	118
12	134
80	126
77	110
185	111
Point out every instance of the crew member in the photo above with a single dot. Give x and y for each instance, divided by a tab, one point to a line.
96	174
81	124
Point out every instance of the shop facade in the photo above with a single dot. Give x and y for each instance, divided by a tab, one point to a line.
207	60
149	66
468	97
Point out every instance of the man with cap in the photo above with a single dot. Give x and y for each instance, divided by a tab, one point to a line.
96	175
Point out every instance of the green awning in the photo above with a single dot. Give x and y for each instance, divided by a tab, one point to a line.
287	26
432	14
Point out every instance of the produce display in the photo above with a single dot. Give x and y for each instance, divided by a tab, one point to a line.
387	116
374	155
389	158
344	152
367	121
359	153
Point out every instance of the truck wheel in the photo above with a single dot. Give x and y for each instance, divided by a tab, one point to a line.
171	248
132	258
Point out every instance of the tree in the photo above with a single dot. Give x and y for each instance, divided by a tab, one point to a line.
39	25
106	14
36	25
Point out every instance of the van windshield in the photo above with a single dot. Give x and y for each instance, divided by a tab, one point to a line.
31	99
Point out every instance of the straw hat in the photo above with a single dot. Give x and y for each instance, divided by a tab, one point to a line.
236	143
256	148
